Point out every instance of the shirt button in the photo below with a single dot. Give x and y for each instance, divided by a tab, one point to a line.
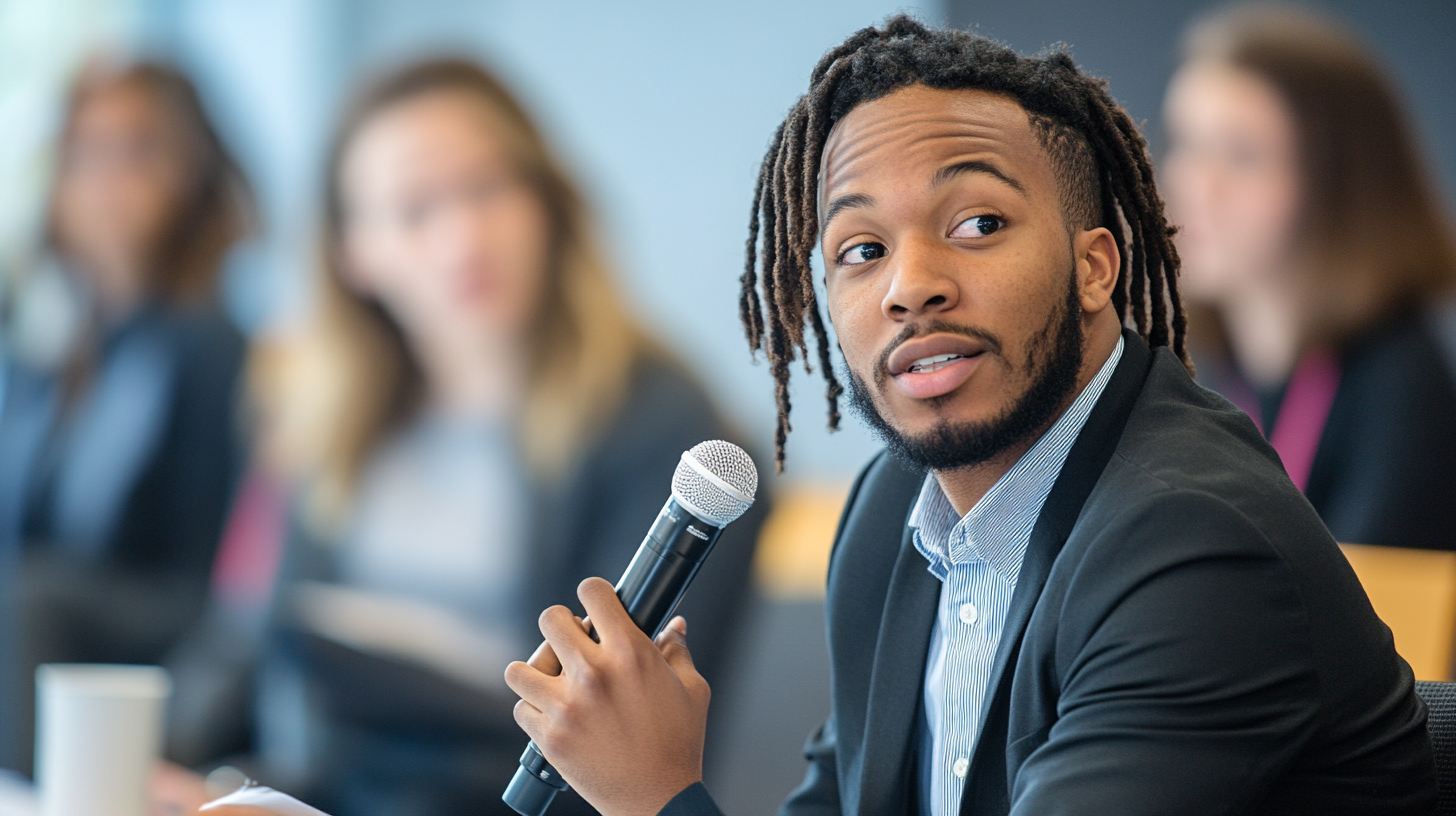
960	767
968	613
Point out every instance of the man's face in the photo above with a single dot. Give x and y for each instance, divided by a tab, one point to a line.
951	274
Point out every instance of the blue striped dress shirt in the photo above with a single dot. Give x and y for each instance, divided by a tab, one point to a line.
977	559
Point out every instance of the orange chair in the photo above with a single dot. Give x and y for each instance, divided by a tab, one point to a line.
1414	592
792	558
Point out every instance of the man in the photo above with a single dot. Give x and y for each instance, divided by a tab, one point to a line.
1105	596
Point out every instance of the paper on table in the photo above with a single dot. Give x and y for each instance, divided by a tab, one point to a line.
17	795
422	633
266	798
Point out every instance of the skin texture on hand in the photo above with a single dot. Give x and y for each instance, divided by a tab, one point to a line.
623	720
177	791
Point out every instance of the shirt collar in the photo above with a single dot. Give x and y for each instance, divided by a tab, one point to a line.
998	528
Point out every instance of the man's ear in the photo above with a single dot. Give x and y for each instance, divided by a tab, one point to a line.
1098	263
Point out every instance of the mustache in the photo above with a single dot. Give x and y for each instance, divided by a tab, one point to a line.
910	332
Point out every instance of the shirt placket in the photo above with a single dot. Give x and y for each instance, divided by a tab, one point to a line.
963	687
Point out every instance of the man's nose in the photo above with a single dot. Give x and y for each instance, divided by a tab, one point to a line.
919	285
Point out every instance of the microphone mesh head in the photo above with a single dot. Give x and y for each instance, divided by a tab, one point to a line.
716	480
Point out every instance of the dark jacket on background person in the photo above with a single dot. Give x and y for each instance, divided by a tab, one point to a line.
1385	469
401	740
112	499
1185	637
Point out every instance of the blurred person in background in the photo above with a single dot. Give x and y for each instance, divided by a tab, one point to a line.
118	449
477	425
1314	245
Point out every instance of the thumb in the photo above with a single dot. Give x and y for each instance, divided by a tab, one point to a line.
672	641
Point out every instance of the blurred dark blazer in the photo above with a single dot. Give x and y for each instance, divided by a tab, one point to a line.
112	501
1385	469
407	741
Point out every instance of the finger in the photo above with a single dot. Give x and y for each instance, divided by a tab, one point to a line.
544	659
679	624
673	643
534	687
565	636
609	618
531	719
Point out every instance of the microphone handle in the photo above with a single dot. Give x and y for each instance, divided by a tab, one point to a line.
650	590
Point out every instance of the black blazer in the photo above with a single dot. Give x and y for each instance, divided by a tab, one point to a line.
1385	470
1185	637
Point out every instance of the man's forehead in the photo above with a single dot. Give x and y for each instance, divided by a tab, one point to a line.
921	124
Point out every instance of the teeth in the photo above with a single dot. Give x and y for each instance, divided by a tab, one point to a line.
928	364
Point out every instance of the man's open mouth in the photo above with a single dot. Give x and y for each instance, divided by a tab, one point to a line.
926	365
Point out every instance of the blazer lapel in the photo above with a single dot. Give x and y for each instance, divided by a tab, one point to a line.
899	671
987	784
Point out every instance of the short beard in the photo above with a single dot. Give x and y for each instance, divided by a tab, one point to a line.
951	445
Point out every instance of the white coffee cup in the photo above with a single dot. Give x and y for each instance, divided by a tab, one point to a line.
98	737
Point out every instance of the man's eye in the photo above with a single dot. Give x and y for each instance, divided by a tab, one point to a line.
861	253
978	226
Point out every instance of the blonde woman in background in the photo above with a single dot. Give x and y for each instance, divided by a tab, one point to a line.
118	445
1314	245
478	425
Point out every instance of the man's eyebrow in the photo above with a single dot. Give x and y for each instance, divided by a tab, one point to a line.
950	171
843	203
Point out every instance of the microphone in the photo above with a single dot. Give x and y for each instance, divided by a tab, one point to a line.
714	484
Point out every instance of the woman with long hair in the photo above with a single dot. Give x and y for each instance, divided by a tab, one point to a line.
476	425
118	449
1313	246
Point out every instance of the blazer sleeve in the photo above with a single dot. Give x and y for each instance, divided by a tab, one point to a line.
818	795
1187	680
819	792
693	801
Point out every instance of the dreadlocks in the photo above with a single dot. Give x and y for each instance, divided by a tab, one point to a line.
1098	156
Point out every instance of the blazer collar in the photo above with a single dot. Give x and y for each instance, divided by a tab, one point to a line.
1089	456
910	603
895	682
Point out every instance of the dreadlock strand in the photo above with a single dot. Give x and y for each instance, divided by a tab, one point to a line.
800	243
1110	140
817	106
786	285
832	389
770	311
1158	239
815	134
1113	145
750	311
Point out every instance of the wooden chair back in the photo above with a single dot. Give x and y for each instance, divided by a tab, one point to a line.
1414	592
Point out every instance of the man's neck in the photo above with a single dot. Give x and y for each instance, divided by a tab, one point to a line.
965	486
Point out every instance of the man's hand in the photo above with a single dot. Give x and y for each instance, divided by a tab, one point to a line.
622	720
177	791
